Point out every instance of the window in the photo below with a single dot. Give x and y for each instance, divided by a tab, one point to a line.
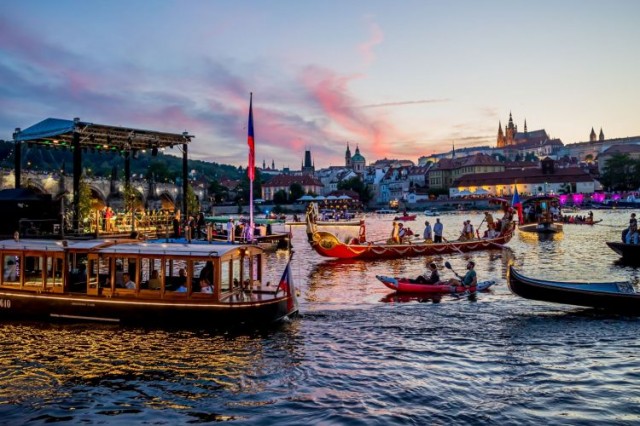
11	269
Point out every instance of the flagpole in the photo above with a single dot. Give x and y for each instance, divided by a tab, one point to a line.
251	166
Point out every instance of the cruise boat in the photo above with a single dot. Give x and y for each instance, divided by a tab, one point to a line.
130	281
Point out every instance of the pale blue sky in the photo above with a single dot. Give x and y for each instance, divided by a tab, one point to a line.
398	78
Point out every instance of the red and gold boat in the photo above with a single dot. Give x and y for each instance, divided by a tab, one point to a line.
328	245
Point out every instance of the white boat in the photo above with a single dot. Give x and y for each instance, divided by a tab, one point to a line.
430	213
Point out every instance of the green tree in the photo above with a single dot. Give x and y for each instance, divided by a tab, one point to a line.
84	201
620	173
357	185
295	191
193	205
280	197
218	192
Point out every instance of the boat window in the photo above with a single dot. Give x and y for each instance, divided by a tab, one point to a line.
33	271
11	269
150	273
236	271
175	272
54	272
125	265
225	276
203	277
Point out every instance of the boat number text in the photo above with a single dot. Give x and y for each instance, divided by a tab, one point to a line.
5	304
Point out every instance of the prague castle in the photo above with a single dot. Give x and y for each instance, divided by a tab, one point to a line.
511	136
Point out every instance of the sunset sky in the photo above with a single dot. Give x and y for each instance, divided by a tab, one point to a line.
400	79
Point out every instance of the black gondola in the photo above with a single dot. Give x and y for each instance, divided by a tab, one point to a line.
629	252
619	297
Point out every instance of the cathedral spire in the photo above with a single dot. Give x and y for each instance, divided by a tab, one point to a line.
525	125
592	135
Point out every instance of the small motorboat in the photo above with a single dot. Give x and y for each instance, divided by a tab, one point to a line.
405	285
619	297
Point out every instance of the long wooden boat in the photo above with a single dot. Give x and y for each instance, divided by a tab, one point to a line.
328	245
403	285
629	252
613	296
329	223
84	280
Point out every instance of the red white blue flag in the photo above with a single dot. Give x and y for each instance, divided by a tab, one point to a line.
286	284
516	204
515	201
252	146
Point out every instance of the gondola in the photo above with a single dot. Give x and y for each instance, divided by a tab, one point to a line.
404	285
618	297
629	252
406	217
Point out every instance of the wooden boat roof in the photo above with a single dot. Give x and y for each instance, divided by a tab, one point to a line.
53	245
158	248
152	248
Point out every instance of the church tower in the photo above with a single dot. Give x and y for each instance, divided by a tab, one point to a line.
501	140
510	131
347	157
592	135
358	162
601	136
307	166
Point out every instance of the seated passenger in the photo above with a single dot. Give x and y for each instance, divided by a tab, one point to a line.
205	286
128	283
430	276
154	281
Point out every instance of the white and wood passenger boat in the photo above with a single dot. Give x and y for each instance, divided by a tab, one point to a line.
200	285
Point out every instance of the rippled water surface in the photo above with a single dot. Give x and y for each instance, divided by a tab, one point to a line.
357	355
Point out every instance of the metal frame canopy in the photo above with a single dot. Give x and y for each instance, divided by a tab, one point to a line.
80	135
59	132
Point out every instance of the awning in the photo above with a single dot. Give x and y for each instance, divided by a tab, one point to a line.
58	132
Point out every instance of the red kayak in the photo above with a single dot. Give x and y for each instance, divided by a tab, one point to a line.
403	285
406	217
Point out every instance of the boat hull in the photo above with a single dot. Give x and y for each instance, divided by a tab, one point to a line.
629	252
541	228
328	245
619	297
402	285
26	304
405	218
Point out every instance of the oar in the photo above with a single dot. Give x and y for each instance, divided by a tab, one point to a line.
451	244
448	266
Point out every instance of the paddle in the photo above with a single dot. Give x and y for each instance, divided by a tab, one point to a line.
448	266
451	244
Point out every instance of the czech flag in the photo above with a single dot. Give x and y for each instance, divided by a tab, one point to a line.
516	204
286	284
251	142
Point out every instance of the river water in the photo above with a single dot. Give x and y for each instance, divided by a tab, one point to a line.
356	355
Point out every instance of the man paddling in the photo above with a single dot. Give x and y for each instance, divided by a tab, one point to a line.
470	279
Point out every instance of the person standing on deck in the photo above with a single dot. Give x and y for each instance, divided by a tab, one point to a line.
427	232
230	231
438	228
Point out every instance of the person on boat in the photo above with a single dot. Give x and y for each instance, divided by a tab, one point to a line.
438	228
230	231
488	217
10	271
205	286
430	276
295	218
181	282
402	232
154	280
632	231
128	283
394	232
590	217
428	237
470	279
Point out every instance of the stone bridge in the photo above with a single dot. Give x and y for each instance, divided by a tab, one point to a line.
103	191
